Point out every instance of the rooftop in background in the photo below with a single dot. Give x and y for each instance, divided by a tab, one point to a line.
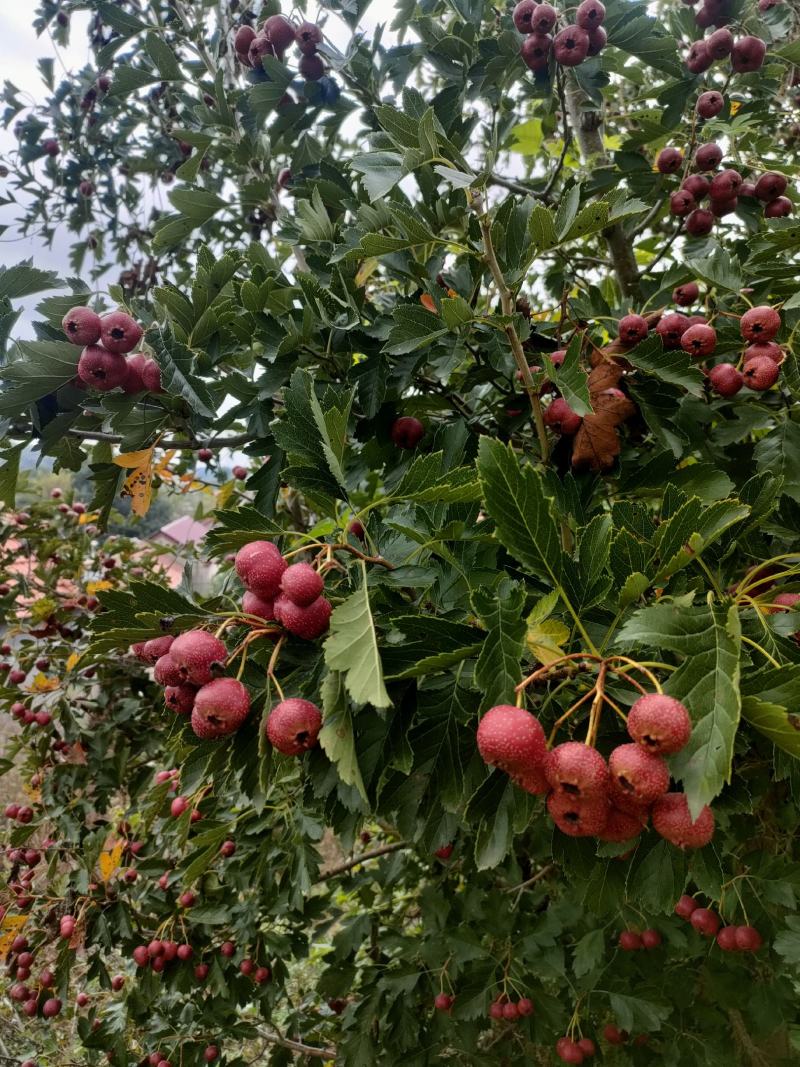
182	531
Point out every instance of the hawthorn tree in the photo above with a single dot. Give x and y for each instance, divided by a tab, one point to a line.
482	747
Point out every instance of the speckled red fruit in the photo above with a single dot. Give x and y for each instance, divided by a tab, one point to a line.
780	208
560	417
623	825
669	161
719	43
590	14
770	186
705	921
512	739
262	607
180	698
155	648
134	383
200	656
598	39
632	329
100	369
407	432
293	726
167	672
260	566
613	1034
700	223
748	939
544	18
708	156
685	295
308	37
151	376
302	584
119	332
725	379
699	341
82	325
570	46
747	54
244	37
764	350
659	723
577	770
760	323
671	328
578	817
710	104
681	203
630	941
698	58
726	939
220	708
523	15
635	774
760	373
568	1051
536	50
697	185
671	819
307	623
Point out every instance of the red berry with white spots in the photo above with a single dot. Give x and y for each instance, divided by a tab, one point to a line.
119	332
632	329
673	821
760	373
100	369
699	341
260	566
686	294
263	608
764	350
307	623
302	584
760	324
167	672
220	708
577	770
725	379
622	825
578	817
82	326
660	724
200	655
512	739
180	698
293	726
635	774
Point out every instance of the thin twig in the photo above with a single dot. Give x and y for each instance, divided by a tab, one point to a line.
374	853
173	442
298	1046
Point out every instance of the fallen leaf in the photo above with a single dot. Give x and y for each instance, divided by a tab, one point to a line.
597	442
139	483
109	861
42	684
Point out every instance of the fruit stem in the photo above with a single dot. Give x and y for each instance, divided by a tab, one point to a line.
597	706
272	663
761	649
569	713
554	666
378	560
635	665
616	707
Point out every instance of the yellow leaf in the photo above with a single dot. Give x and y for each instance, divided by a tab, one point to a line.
9	928
109	861
545	639
139	483
135	459
99	586
73	660
736	106
88	516
367	269
34	795
42	684
224	494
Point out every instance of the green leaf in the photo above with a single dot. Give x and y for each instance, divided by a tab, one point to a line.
778	454
163	57
456	312
542	228
336	735
658	880
718	270
352	648
636	1015
591	218
128	80
777	723
25	279
414	327
515	499
380	172
589	951
673	366
498	669
199	205
177	370
9	472
43	368
570	378
709	638
332	426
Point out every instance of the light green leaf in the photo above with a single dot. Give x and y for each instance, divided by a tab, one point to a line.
352	648
177	370
498	668
336	735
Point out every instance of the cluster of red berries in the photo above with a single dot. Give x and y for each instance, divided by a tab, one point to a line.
746	53
103	364
26	716
24	862
290	595
569	1050
158	1059
274	37
762	359
33	999
504	1007
589	797
633	941
190	668
571	45
20	813
708	923
724	188
157	954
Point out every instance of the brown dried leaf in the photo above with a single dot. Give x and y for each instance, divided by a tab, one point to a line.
597	441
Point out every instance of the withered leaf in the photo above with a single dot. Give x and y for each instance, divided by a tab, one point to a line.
597	442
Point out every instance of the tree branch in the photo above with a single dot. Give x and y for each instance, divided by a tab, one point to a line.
298	1046
343	868
587	127
168	442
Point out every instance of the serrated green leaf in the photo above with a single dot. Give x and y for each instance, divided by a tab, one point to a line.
336	736
352	648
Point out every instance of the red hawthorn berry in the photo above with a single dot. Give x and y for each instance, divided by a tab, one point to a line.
671	328
407	432
525	1006
630	941
669	161
725	379
760	373
577	770
651	939
613	1034
760	324
576	816
293	726
302	584
708	156
673	821
705	921
726	939
443	1002
632	329
748	939
657	722
780	208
